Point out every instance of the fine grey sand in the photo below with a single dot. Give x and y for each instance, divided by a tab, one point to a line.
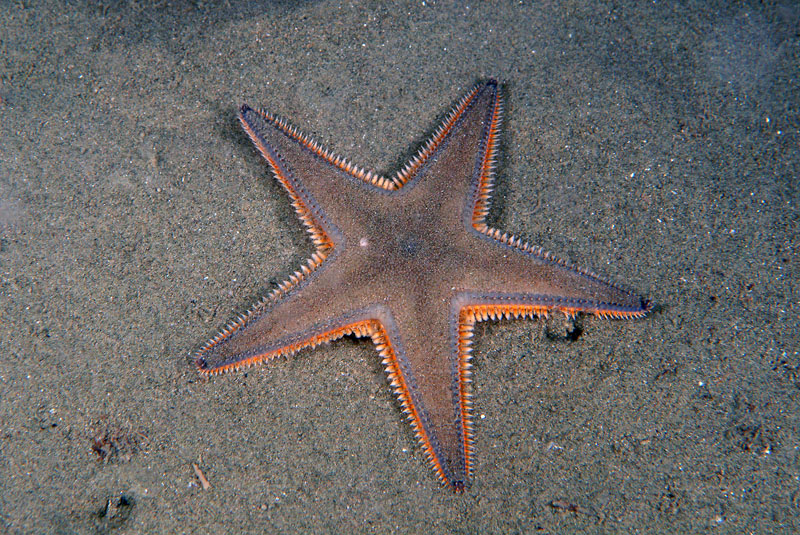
655	143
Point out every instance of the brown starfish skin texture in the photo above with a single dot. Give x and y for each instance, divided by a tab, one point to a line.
410	262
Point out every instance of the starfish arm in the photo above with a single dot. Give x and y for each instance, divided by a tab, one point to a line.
507	272
460	152
310	313
421	358
321	186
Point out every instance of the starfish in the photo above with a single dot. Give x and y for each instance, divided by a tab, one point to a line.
410	262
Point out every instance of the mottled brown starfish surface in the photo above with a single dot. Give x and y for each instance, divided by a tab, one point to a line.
410	262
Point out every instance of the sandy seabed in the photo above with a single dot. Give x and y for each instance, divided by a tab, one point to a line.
655	143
